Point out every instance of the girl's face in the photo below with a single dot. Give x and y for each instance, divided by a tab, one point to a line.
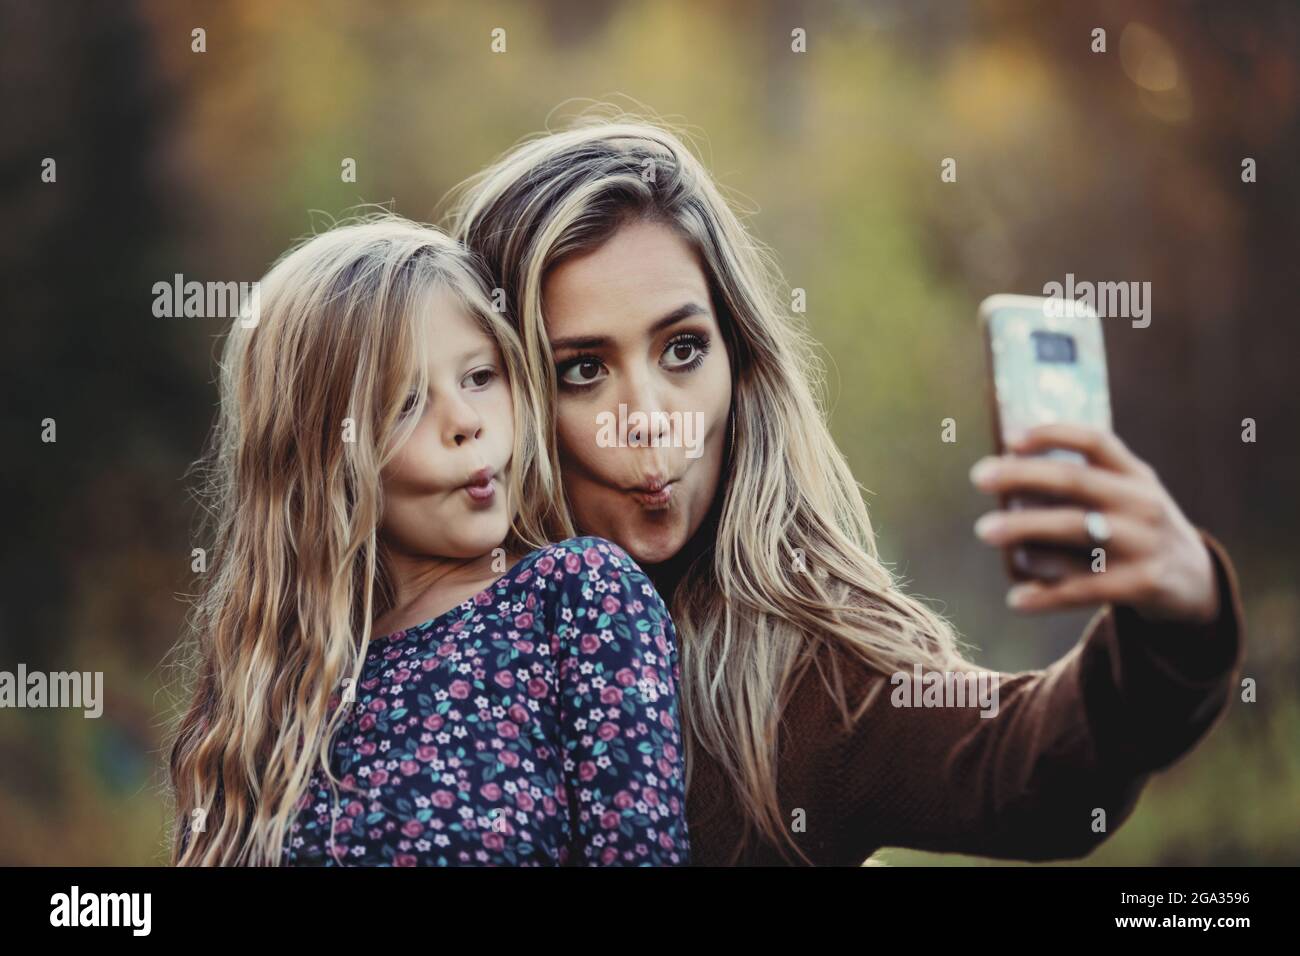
445	492
635	340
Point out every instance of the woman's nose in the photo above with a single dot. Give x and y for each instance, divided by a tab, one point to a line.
643	396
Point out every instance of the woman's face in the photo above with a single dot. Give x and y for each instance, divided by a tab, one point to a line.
444	492
635	340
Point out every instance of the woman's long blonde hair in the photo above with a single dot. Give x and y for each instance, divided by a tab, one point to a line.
310	413
792	570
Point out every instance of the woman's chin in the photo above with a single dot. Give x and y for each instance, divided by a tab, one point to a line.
649	544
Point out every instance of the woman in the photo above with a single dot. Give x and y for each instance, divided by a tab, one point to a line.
374	477
634	286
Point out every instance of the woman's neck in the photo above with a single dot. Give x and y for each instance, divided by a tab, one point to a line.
666	575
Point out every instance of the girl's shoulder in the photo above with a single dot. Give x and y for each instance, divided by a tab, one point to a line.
590	594
585	569
581	554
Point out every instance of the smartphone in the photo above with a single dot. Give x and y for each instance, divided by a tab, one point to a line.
1046	363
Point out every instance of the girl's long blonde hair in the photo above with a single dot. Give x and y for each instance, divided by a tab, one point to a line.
792	570
310	413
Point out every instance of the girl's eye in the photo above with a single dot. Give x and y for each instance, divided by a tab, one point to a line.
685	352
581	372
480	377
409	405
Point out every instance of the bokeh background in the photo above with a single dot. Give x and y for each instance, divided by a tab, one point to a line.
1123	165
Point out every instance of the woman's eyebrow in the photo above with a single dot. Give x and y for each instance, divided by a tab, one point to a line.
685	311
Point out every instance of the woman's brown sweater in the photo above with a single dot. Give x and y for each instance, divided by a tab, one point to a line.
1081	735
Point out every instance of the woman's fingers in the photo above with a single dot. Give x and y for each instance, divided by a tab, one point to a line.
1160	565
1053	477
1102	448
1120	585
1062	526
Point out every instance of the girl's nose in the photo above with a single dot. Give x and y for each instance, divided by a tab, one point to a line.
463	423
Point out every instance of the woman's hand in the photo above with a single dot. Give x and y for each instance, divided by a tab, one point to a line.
1156	562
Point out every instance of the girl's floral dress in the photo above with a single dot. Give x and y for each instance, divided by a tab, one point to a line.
536	724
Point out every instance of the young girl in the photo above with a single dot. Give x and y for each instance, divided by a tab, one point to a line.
389	671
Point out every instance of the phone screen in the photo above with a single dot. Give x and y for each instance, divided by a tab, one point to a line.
1046	368
1048	364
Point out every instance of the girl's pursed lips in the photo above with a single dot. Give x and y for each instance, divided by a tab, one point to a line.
481	486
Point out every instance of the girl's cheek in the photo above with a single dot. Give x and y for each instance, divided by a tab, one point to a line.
496	406
506	414
405	468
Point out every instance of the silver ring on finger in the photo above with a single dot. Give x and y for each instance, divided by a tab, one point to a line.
1097	528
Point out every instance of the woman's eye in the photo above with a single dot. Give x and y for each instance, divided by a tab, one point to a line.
479	378
685	352
583	371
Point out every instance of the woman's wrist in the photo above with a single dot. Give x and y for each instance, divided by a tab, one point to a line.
1200	610
1198	647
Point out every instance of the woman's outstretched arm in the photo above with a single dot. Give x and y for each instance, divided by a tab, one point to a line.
1061	761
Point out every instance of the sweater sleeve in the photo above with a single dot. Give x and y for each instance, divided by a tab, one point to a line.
616	651
1061	762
